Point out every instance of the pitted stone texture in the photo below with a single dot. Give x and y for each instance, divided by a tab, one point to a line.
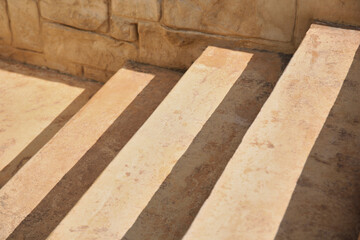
86	48
266	19
137	9
25	24
84	14
179	49
34	104
39	176
251	197
5	34
127	185
337	11
123	30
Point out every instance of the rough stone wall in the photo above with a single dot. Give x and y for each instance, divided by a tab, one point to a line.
93	38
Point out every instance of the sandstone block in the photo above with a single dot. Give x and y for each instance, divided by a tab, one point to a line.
84	14
266	19
343	12
25	24
86	48
123	30
179	49
39	59
97	74
139	9
5	34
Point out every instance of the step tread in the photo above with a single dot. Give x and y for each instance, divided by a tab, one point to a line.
251	196
33	102
124	189
35	180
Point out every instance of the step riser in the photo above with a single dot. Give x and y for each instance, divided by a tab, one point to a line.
250	199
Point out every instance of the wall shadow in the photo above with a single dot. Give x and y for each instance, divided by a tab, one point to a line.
61	199
326	201
174	206
89	89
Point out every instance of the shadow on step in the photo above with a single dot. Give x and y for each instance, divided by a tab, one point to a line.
47	133
176	203
54	207
326	201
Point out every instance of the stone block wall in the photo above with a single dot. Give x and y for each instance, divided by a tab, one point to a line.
93	38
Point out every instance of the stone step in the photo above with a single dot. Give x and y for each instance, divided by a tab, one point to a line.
83	146
34	105
307	119
194	130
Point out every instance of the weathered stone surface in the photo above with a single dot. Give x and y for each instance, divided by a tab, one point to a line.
25	24
173	207
138	9
39	59
251	197
97	74
34	105
336	11
5	34
126	186
86	48
267	19
39	176
76	182
179	49
84	14
123	30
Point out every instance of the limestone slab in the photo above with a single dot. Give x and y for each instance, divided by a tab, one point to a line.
34	104
86	48
250	199
84	14
5	34
325	202
126	186
34	181
266	19
137	9
25	24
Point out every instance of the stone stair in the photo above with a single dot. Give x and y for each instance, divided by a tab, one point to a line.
235	148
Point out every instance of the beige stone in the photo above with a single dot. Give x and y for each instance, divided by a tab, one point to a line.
137	9
34	105
175	204
252	195
335	11
123	30
179	49
59	201
126	186
25	24
84	14
97	74
37	178
39	59
86	48
5	33
266	19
